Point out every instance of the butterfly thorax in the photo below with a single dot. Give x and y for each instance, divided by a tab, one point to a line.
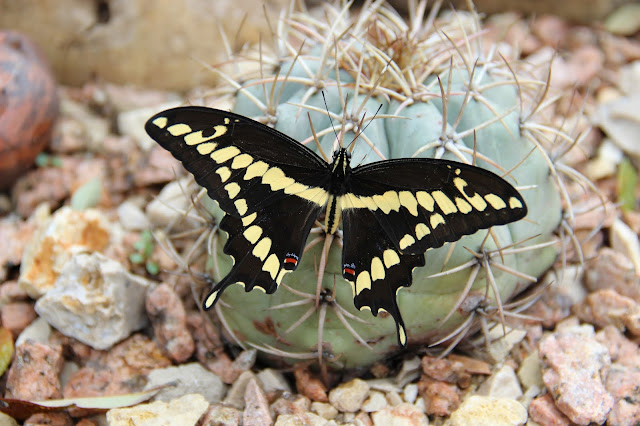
340	175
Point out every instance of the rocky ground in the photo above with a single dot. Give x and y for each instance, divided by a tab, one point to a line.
75	235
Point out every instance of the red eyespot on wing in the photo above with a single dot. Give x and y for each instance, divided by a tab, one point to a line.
291	261
349	271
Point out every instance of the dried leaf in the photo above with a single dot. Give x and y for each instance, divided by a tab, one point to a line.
21	410
6	349
627	183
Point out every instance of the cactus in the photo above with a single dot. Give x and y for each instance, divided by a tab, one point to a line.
440	95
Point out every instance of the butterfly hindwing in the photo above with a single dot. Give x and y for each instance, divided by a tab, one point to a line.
267	248
374	266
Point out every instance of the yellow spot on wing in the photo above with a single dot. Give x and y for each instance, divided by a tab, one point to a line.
246	221
241	161
232	189
351	201
196	138
208	303
253	234
390	258
225	154
258	168
402	335
272	266
436	219
476	201
514	203
261	250
495	201
463	206
425	200
422	230
409	202
295	188
160	122
179	129
241	206
224	173
406	241
377	269
206	148
363	281
315	195
445	204
281	275
276	179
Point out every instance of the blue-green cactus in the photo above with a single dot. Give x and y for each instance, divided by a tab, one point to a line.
430	103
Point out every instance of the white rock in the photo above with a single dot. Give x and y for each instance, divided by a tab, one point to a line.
96	301
348	397
273	381
488	411
625	241
530	371
235	395
306	419
184	411
131	123
619	120
375	402
502	344
169	206
410	371
400	415
38	331
187	378
410	393
502	383
57	239
132	217
324	410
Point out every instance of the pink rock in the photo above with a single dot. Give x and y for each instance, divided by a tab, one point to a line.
256	411
10	291
34	372
543	411
573	361
16	316
624	413
440	398
606	307
309	385
169	321
291	404
444	370
551	30
49	419
612	270
14	233
622	350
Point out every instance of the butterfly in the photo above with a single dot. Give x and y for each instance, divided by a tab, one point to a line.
273	189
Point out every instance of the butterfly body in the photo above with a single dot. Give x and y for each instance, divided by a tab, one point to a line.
273	189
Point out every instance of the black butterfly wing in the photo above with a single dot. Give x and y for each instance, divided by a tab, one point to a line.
258	176
415	205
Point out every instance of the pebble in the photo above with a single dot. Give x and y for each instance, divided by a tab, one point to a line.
220	415
15	234
324	410
169	321
440	398
400	415
166	209
622	350
38	331
502	344
375	402
348	397
256	411
622	382
410	393
34	373
16	316
186	378
272	381
132	217
543	411
95	300
489	411
606	307
310	385
529	372
55	242
290	403
503	383
306	419
572	363
624	240
610	269
183	411
235	395
409	371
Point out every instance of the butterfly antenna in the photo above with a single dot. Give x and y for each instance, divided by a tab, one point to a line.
365	127
329	115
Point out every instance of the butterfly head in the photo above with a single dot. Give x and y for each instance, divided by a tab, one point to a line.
341	163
